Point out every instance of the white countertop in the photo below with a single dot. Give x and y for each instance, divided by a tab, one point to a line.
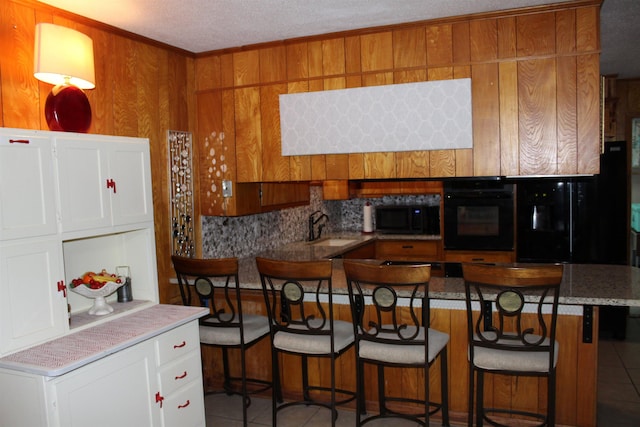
62	355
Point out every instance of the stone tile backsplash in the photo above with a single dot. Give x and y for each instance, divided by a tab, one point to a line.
247	235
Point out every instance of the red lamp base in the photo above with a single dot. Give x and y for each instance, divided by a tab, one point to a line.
67	109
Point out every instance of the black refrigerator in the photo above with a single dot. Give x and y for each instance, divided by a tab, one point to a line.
579	220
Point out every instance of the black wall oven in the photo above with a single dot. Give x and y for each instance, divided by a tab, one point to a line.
479	215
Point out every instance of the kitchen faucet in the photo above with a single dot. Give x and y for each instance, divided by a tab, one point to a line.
312	223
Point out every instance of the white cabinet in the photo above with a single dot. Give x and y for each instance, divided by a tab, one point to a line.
180	377
27	198
114	391
33	304
157	382
103	181
69	203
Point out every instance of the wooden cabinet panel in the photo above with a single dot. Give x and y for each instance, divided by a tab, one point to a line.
246	67
483	34
248	134
565	31
377	51
379	165
537	117
507	37
275	166
367	251
297	61
439	45
273	64
479	256
536	34
400	250
588	114
587	33
567	115
333	57
409	48
509	142
486	119
274	195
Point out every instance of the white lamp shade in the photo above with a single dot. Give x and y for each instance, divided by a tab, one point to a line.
63	55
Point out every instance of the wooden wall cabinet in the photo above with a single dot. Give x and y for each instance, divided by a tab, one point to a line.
535	91
236	162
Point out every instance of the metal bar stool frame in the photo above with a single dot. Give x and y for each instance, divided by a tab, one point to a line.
216	284
305	330
387	329
510	347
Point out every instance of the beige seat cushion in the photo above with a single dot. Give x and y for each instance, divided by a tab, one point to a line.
519	361
316	344
403	353
255	326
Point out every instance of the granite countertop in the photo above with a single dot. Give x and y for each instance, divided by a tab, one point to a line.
582	284
62	355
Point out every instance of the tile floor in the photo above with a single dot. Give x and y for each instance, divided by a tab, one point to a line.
618	394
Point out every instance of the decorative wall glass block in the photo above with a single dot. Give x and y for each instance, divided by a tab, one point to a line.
403	117
181	193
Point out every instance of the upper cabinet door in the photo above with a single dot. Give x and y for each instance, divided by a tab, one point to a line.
27	198
103	182
130	172
82	183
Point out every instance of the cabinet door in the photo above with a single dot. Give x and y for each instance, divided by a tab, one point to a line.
118	390
82	184
130	170
27	199
32	309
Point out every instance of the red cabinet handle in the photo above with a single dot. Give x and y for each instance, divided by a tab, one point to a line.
182	344
179	377
18	141
111	184
159	399
185	404
62	288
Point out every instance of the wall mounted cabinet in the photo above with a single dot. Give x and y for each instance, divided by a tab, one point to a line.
535	94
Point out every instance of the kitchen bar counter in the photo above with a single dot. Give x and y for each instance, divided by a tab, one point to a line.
582	284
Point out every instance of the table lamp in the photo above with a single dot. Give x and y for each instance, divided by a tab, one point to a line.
64	57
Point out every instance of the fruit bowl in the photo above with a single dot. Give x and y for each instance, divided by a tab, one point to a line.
100	306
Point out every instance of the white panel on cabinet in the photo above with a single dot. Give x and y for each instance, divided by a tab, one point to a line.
27	198
103	182
33	307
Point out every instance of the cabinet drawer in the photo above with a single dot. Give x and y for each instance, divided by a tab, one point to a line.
180	372
479	256
426	250
178	342
184	408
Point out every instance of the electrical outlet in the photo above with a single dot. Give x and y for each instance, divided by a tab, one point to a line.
227	188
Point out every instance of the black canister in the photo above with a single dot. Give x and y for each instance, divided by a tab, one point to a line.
124	291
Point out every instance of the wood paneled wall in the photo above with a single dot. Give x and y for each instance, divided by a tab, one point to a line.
535	91
142	90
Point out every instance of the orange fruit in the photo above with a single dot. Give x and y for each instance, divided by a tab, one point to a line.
87	277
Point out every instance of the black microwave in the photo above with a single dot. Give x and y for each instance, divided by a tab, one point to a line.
408	219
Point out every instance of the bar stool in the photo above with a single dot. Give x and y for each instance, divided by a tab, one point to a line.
216	284
304	327
518	339
393	331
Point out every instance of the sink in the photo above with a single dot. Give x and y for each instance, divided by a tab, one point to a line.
333	242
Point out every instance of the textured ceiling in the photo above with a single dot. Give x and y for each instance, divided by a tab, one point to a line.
205	25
